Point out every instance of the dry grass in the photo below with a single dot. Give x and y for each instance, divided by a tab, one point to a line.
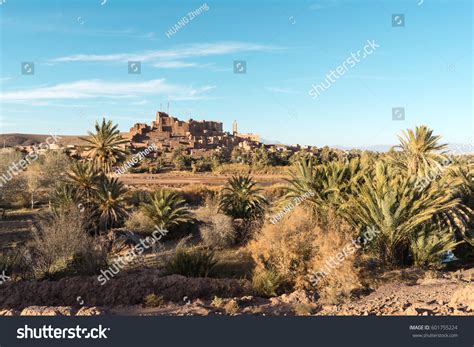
219	232
138	222
62	247
152	300
230	306
296	246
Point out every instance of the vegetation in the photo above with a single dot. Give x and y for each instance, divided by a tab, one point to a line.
105	145
191	262
418	198
167	209
242	199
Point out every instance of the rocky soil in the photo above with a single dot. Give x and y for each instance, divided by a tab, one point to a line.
416	294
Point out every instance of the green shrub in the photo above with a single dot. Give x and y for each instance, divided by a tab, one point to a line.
265	283
191	262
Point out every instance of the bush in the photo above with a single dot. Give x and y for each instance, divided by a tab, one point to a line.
140	223
191	262
296	246
265	283
152	300
219	232
62	247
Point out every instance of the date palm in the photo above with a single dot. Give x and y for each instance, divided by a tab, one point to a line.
84	178
242	199
388	202
105	145
62	197
109	202
167	209
328	184
420	151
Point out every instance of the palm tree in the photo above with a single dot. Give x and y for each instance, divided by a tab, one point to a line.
84	178
242	199
108	201
429	245
167	209
328	184
105	145
420	151
62	197
388	202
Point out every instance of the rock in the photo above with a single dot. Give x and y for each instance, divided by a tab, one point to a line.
425	311
90	311
46	311
411	311
463	297
298	297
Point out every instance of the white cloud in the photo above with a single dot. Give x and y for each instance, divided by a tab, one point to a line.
282	90
182	52
175	64
89	89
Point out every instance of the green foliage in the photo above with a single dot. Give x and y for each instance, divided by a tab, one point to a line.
241	199
330	184
192	262
109	200
105	146
420	151
167	209
181	160
265	283
428	245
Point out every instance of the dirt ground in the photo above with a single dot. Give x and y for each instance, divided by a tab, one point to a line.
189	178
418	294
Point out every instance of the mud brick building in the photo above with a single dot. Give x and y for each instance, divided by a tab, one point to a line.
197	137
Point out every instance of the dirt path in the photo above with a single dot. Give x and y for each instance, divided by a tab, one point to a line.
186	179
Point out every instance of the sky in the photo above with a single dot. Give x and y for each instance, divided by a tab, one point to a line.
419	60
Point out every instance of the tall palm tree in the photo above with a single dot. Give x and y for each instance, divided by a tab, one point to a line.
109	201
105	145
420	151
242	199
167	209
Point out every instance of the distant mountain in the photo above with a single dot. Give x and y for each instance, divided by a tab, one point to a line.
453	148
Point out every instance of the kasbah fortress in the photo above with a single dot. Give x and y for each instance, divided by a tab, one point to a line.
198	138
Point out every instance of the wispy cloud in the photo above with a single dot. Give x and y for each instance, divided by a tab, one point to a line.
176	64
282	90
174	54
92	89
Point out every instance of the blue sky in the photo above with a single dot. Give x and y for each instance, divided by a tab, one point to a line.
81	50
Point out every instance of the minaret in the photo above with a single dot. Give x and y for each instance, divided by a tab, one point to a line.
234	128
